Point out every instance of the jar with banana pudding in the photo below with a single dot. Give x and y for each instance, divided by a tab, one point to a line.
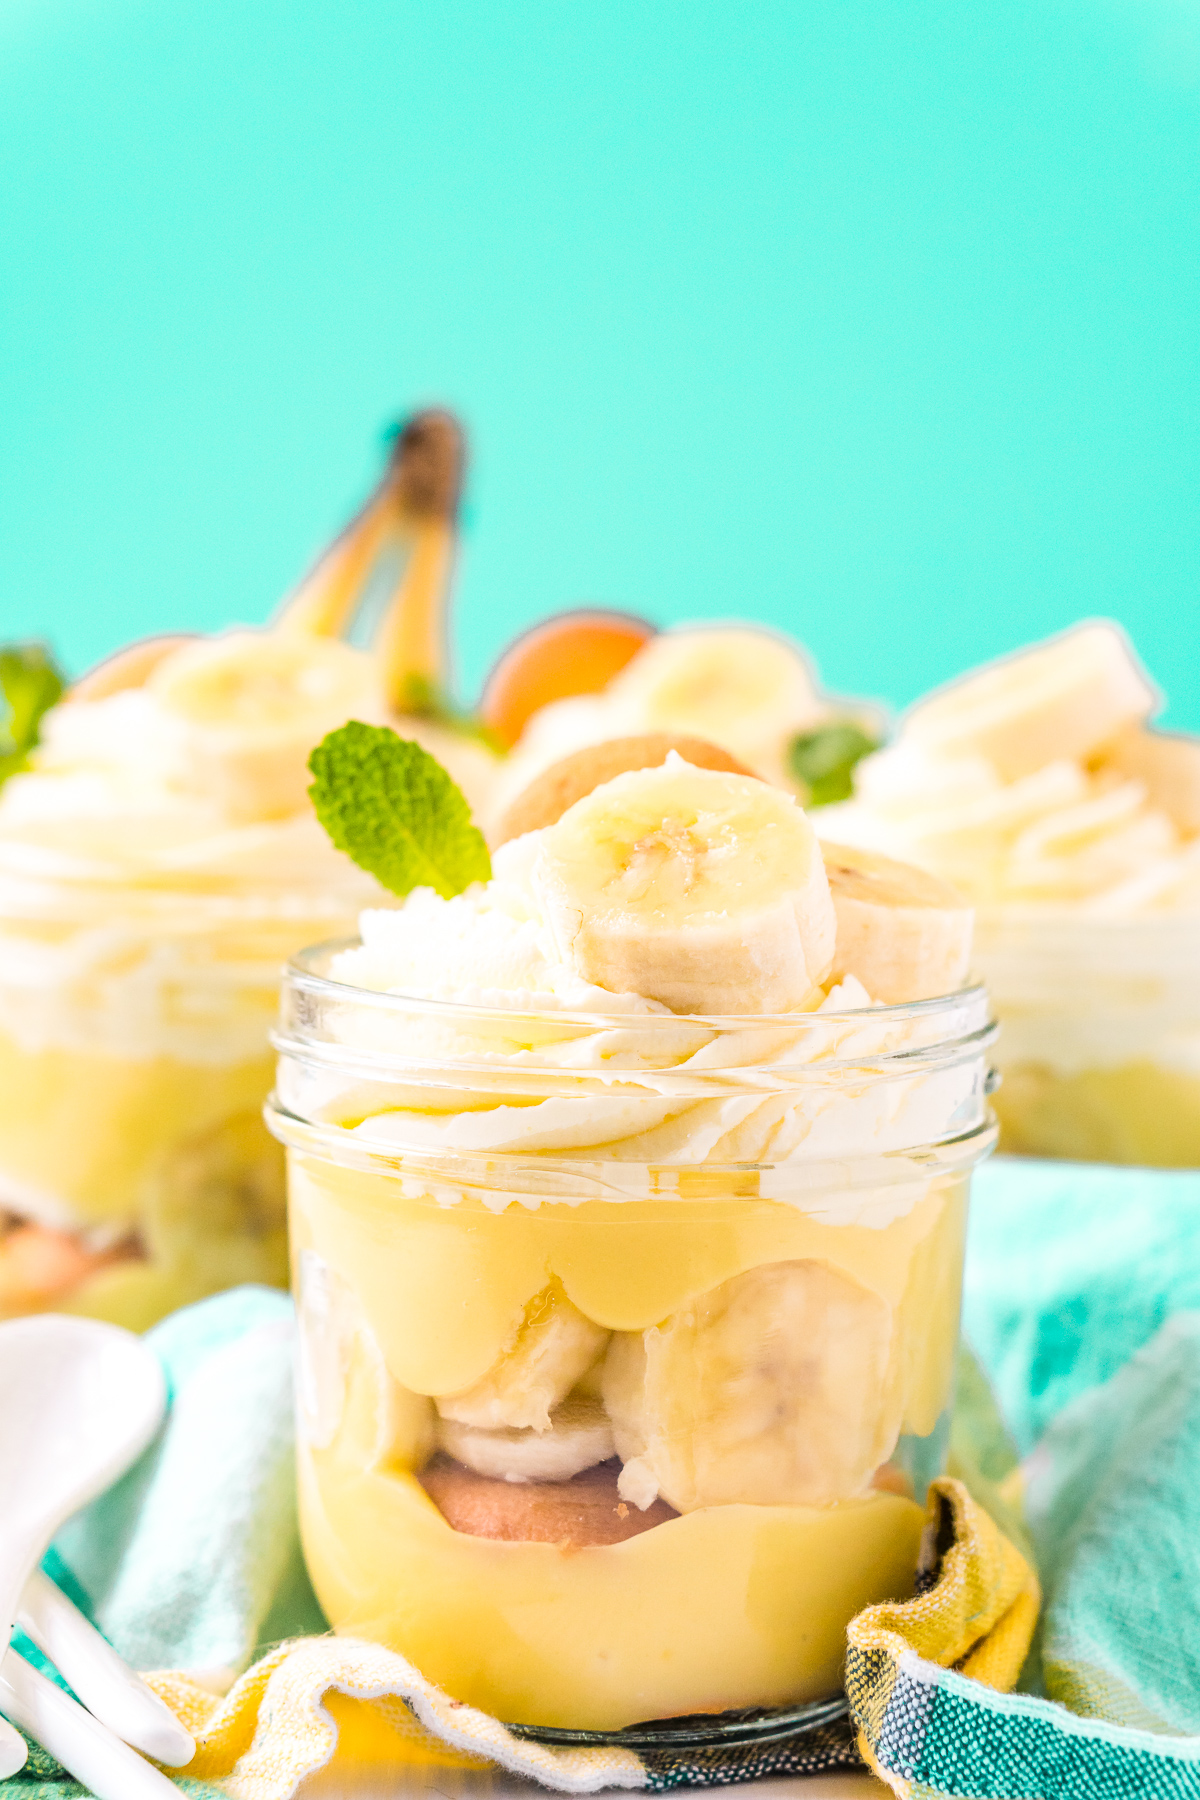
627	1227
1040	789
159	862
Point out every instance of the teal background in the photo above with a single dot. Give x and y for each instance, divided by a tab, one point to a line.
876	321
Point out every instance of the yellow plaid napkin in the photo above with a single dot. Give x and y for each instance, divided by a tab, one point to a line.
315	1699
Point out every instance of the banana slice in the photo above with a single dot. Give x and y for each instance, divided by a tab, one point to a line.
748	690
251	705
130	667
344	1388
553	1346
771	1390
549	794
702	890
1059	701
903	933
579	1437
1168	763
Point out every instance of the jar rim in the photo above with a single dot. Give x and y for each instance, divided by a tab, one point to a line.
536	1177
301	974
352	1058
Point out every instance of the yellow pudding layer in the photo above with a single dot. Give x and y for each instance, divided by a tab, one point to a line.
1135	1113
728	1605
172	1155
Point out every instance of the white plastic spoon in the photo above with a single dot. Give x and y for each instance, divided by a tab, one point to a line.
79	1402
13	1754
95	1756
106	1684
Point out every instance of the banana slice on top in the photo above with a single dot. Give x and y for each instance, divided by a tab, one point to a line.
903	933
703	890
1057	702
773	1389
252	704
554	1345
130	667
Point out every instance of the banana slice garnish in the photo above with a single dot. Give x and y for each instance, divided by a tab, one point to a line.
579	1436
774	1390
1058	702
553	1346
702	890
903	933
130	667
747	689
250	705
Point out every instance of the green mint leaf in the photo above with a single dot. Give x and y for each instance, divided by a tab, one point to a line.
30	684
394	810
822	761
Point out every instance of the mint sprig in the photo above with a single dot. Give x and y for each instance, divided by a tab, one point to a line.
823	761
395	811
31	684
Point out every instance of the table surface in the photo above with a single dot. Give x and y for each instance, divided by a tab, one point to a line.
462	1784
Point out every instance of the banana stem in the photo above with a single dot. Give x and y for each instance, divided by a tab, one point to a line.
324	603
412	642
414	510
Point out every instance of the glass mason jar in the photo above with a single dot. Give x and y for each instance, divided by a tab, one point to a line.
136	1174
1099	1048
626	1342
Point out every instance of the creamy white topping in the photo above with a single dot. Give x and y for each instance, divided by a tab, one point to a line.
1087	896
136	918
492	1074
1065	836
489	947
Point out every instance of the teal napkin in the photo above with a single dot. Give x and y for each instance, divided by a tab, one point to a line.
192	1561
1083	1300
1071	1267
1113	1501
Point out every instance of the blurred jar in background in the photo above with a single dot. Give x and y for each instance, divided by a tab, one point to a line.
159	861
139	969
1038	787
750	690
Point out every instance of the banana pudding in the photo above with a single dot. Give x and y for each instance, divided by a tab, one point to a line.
627	1234
157	866
1039	787
159	862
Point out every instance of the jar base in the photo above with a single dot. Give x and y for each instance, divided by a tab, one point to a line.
700	1731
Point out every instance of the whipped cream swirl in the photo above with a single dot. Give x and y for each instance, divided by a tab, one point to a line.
1067	836
455	1038
137	918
